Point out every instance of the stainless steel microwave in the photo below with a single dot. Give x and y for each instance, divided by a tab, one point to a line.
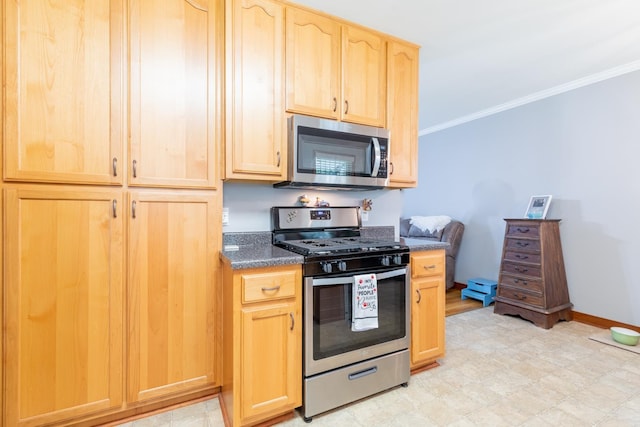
327	154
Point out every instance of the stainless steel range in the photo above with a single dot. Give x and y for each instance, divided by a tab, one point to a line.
350	352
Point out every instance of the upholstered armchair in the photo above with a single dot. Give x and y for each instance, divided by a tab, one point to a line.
451	233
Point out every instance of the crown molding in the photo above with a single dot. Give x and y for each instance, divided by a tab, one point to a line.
575	84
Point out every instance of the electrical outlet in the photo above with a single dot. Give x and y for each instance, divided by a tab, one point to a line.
225	216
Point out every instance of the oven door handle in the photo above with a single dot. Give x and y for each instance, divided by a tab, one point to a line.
343	280
377	158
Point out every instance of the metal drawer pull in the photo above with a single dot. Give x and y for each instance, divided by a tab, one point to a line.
419	296
133	209
335	104
293	321
522	256
115	206
521	297
275	288
115	167
278	164
430	267
522	230
521	270
135	168
364	373
346	106
524	282
522	244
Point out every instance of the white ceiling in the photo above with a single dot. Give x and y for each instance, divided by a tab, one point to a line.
478	57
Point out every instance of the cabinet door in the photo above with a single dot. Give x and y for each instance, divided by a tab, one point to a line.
63	308
174	94
172	289
364	77
256	143
271	376
427	320
402	113
63	99
313	64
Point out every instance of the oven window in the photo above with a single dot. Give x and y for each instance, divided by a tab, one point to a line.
332	334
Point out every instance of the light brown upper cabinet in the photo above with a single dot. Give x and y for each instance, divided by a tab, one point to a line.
402	113
64	91
256	142
334	70
174	93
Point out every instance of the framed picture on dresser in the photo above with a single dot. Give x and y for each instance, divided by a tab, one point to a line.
538	207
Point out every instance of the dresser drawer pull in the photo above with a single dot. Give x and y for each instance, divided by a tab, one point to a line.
522	244
520	297
524	282
275	288
522	256
523	230
429	267
521	270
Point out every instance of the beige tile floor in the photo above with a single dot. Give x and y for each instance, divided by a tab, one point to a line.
498	371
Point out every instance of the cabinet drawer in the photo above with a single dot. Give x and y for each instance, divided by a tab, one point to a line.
522	257
520	295
523	283
523	230
528	270
523	244
268	286
427	265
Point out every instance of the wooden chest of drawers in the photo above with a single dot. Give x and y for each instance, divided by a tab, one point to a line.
533	283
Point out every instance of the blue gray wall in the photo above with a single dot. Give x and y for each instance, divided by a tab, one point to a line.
582	147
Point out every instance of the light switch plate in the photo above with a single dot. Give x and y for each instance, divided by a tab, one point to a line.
225	216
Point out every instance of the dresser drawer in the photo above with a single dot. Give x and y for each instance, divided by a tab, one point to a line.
268	286
522	257
523	230
523	244
519	295
427	265
519	269
523	283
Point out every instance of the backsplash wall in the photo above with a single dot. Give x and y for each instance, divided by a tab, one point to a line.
249	204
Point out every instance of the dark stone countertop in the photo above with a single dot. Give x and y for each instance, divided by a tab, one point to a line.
254	249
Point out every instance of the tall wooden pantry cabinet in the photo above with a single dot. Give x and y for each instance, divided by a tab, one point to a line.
111	202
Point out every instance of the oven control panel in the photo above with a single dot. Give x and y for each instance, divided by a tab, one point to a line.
354	264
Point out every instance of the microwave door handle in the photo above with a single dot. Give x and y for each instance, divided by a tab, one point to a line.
376	159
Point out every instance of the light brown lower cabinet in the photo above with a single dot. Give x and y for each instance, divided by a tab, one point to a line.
427	307
172	292
262	343
69	310
63	296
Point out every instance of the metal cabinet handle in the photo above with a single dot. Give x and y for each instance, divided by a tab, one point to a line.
274	288
429	267
115	208
335	104
115	166
135	168
392	169
293	321
419	296
346	106
278	163
133	209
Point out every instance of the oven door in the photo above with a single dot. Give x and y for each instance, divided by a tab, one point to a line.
330	343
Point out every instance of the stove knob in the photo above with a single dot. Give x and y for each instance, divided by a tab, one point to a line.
326	267
342	266
397	259
385	260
